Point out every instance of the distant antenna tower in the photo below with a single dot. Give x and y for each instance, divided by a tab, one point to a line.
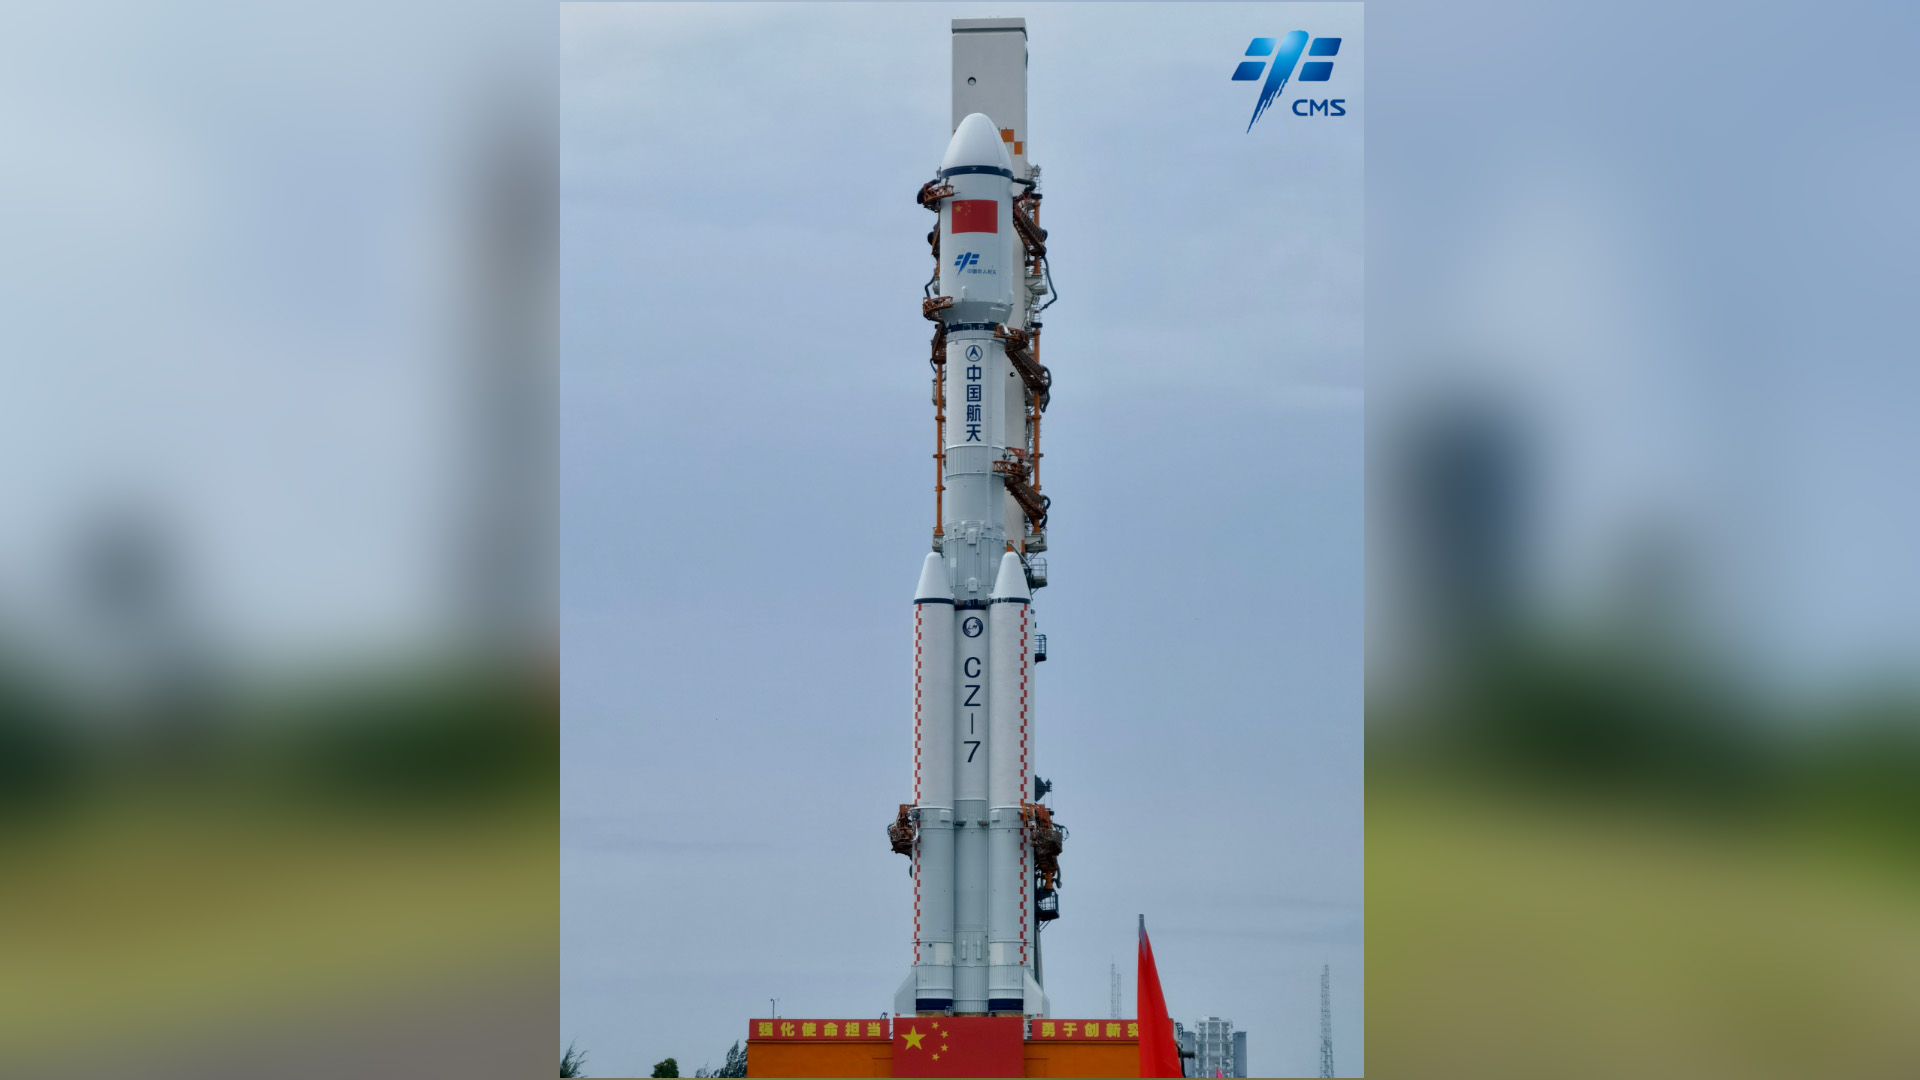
1326	1025
1114	1000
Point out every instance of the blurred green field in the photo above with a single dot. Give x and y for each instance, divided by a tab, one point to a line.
309	864
1515	933
142	924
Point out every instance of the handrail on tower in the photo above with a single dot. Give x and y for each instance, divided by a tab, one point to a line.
1014	471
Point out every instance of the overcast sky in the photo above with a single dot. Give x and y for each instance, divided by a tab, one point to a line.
747	497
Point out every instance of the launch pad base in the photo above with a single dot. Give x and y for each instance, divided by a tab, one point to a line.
980	1046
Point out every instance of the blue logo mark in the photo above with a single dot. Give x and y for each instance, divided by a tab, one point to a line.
1285	53
965	260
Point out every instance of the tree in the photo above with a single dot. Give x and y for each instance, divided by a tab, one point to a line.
572	1062
668	1067
736	1064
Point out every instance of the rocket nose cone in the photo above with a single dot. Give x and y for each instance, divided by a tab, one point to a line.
933	580
976	142
1012	581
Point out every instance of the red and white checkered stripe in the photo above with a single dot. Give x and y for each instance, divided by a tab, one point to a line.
1026	778
918	692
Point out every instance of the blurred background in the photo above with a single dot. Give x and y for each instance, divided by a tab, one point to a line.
276	656
1643	698
278	673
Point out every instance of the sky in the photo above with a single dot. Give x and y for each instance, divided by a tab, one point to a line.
1682	284
745	501
242	253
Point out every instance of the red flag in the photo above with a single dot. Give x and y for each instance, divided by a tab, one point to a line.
1159	1054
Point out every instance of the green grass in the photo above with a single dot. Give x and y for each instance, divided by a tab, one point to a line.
143	919
1524	936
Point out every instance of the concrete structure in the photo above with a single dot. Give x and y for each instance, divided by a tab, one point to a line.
1211	1047
1214	1043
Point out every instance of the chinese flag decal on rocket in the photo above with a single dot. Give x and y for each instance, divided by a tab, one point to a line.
958	1046
976	215
1159	1054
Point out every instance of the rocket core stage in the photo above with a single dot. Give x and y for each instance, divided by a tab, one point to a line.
983	854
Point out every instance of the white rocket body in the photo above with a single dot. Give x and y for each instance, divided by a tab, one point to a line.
978	267
1009	784
973	653
933	777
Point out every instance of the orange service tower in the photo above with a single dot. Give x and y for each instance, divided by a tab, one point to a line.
985	861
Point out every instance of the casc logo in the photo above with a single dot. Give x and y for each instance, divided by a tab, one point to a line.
1286	53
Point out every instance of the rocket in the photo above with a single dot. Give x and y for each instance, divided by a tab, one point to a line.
973	825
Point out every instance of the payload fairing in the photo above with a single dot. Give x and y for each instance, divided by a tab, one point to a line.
983	848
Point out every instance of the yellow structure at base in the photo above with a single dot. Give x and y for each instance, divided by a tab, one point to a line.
770	1057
